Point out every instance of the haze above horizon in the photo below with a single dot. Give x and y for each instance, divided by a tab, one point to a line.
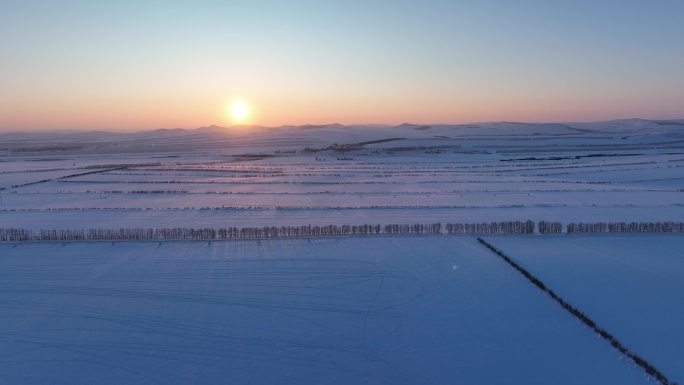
143	65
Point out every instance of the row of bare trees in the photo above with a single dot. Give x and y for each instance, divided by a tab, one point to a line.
181	233
614	342
545	227
137	192
626	227
15	235
435	228
509	227
12	234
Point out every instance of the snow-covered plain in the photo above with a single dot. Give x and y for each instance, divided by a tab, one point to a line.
413	310
621	170
408	310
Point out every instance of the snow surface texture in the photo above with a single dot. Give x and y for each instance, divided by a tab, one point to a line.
630	284
394	310
217	177
391	310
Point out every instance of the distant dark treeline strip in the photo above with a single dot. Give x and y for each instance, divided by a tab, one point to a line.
61	178
550	227
624	227
265	207
182	233
11	234
509	227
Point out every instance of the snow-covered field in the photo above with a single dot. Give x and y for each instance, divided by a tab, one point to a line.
621	170
350	310
409	310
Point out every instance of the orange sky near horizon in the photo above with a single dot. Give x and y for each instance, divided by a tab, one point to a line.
194	113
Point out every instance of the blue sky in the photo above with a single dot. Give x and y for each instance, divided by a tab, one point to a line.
148	64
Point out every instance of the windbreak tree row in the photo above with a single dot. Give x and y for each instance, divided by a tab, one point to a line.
15	235
183	233
510	227
550	227
614	342
11	234
624	227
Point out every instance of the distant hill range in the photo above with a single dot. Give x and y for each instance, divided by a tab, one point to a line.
622	134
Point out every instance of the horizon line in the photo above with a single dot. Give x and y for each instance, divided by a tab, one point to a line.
237	126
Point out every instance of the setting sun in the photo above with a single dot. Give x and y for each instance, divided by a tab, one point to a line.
239	111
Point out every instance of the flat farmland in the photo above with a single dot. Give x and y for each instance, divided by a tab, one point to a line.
391	310
397	181
82	302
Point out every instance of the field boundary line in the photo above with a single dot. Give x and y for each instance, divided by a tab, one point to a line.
614	342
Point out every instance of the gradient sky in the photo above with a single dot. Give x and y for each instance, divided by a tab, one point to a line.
150	64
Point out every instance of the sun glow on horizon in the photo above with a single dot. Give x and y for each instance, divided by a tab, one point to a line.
238	111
